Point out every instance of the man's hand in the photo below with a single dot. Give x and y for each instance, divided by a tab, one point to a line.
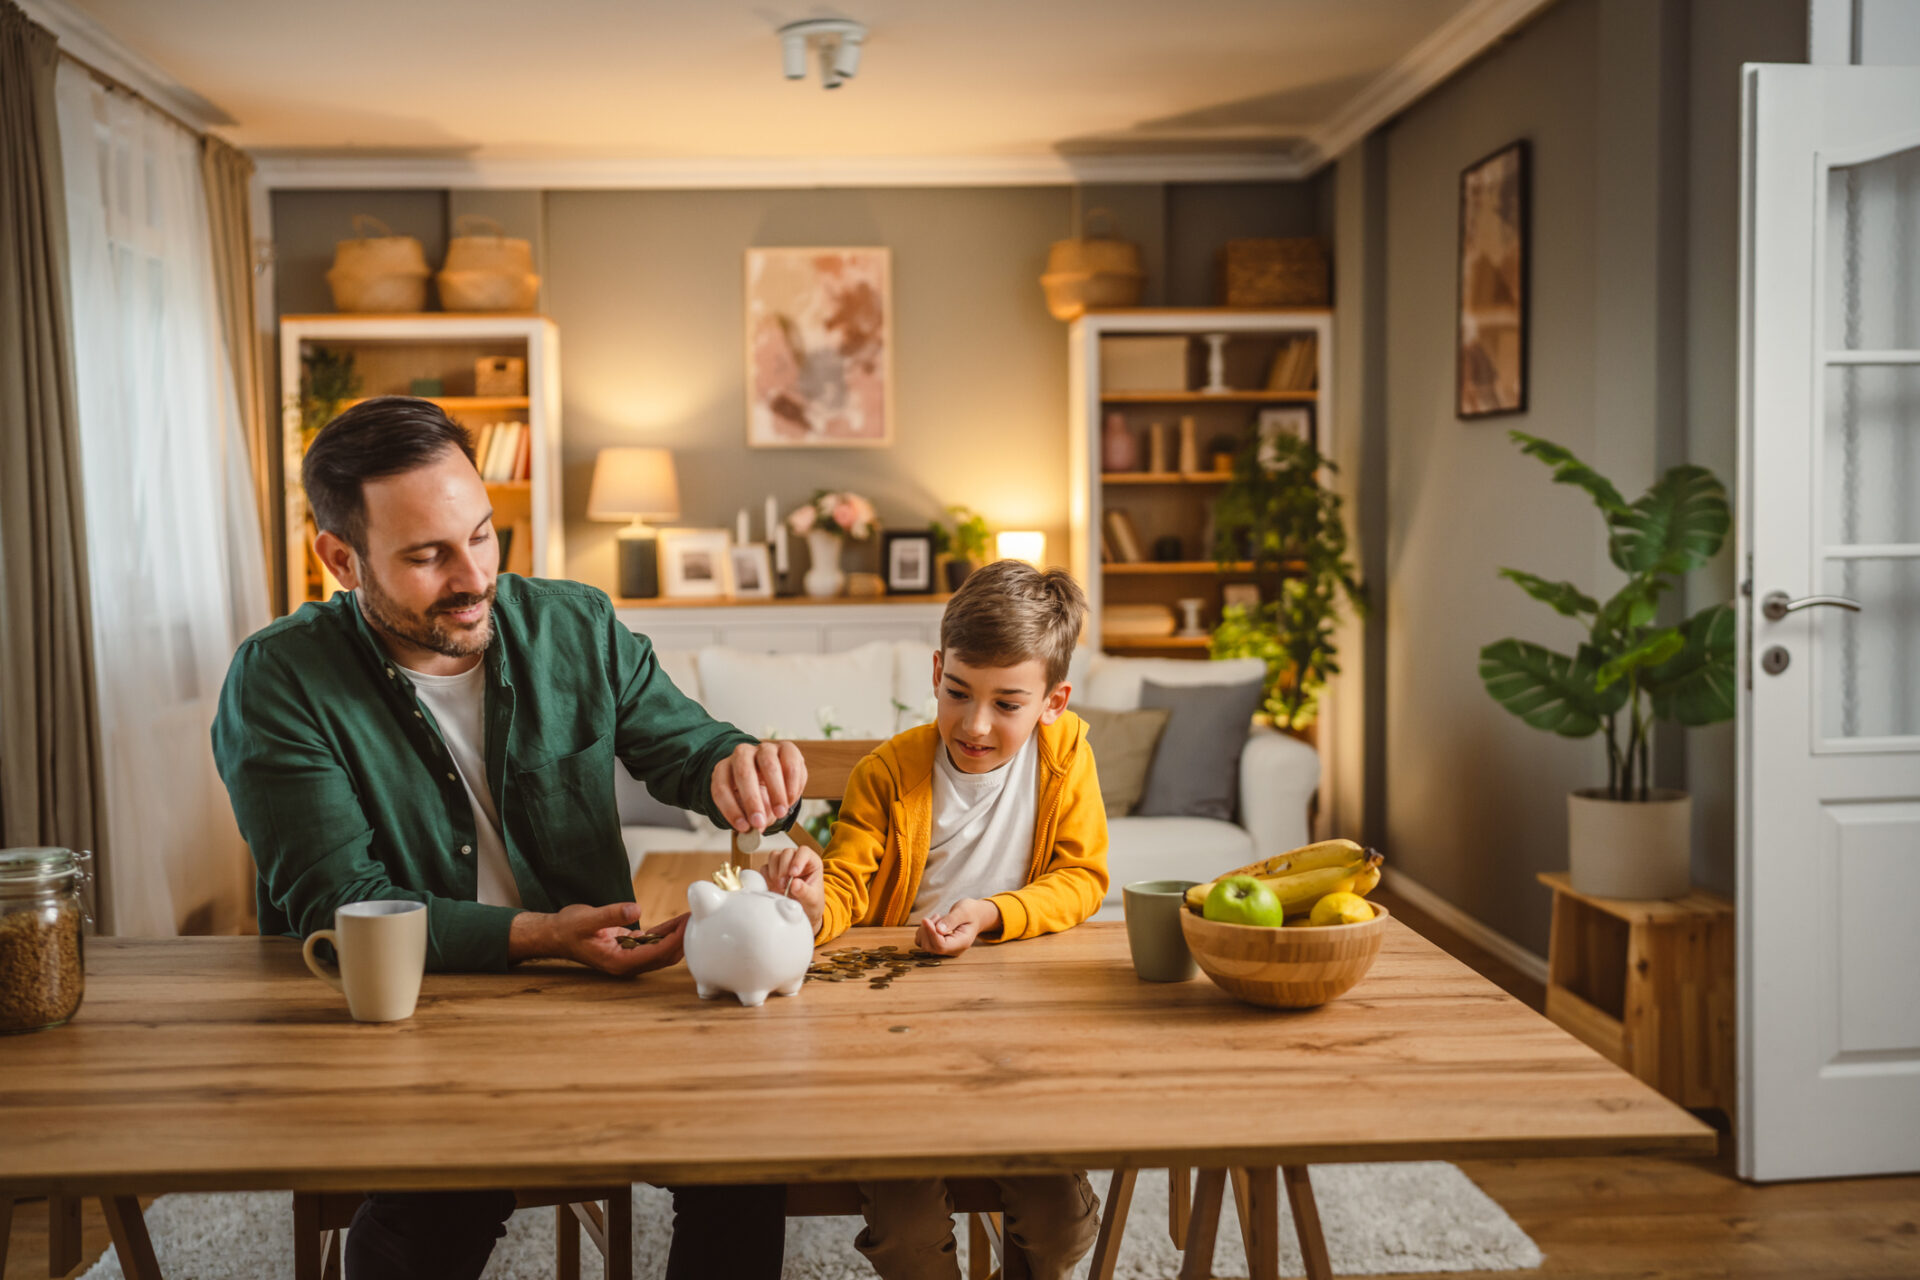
590	935
799	874
960	928
758	783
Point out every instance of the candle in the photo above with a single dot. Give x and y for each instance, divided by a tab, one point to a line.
779	548
773	516
740	526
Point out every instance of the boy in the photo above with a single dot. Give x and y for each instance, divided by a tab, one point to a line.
1001	835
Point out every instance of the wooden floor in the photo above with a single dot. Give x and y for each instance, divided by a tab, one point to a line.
1595	1219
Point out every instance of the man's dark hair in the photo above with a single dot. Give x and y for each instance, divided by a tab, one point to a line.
381	437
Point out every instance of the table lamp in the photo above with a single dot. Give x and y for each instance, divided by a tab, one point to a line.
637	485
1022	545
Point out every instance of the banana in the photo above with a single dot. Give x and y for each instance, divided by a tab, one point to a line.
1366	881
1299	890
1310	857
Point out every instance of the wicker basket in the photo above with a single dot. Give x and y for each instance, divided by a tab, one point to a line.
486	269
500	376
1275	273
1092	271
382	272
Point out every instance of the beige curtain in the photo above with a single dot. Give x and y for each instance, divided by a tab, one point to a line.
226	174
52	789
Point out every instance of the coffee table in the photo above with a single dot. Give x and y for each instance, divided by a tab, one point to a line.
201	1064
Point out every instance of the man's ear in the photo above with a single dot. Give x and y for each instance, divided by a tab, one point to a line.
1056	702
339	558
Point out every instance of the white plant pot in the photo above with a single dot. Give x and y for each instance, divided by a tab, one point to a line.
1630	848
824	579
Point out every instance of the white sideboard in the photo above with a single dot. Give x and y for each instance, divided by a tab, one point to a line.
784	626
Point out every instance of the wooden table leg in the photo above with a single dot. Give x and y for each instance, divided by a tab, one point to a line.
1260	1224
63	1234
1113	1225
620	1234
566	1243
311	1245
130	1237
6	1230
1204	1226
979	1248
1306	1222
1179	1204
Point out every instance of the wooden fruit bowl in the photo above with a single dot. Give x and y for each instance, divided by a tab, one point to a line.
1286	968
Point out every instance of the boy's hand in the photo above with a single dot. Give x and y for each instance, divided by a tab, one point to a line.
960	928
799	874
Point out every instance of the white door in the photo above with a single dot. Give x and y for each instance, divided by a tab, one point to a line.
1829	877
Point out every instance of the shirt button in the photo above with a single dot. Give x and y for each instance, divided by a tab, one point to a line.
449	777
389	673
465	849
418	716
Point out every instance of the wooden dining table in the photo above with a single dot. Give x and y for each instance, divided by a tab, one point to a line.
220	1064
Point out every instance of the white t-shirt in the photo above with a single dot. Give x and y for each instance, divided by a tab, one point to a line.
982	839
458	704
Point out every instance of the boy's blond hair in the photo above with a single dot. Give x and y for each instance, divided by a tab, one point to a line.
1009	612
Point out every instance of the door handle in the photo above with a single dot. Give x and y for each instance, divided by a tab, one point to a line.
1777	604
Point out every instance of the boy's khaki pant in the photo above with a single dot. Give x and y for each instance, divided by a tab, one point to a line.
1054	1218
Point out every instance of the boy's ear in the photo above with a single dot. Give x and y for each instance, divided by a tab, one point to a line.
1056	702
937	665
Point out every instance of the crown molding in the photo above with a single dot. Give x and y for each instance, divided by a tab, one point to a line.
1456	42
83	38
290	170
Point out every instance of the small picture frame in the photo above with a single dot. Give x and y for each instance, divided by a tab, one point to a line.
1240	593
1290	420
906	560
694	563
752	566
1490	335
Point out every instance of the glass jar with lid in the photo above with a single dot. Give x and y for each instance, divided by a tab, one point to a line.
41	913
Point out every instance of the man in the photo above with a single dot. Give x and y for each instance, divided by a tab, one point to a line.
444	734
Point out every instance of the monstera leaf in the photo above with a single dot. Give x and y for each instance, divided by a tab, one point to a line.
1568	469
1564	597
1546	689
1677	526
1696	685
1653	649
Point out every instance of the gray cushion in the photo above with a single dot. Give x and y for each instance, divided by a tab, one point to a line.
1123	743
1196	770
638	808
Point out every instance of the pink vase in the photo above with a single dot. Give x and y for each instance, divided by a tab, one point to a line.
1119	447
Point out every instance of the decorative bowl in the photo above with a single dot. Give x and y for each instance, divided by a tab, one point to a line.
1295	967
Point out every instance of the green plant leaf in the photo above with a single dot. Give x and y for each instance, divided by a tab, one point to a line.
1677	526
1652	649
1632	607
1564	597
1568	469
1697	685
1546	689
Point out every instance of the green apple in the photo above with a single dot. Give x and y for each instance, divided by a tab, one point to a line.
1244	900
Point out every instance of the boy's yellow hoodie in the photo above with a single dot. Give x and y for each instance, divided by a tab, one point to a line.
879	846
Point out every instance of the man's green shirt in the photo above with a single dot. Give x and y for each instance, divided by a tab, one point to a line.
345	791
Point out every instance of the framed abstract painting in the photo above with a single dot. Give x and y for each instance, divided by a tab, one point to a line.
819	347
1495	260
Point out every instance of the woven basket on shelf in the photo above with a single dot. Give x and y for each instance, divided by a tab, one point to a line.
1275	273
486	269
1092	271
382	272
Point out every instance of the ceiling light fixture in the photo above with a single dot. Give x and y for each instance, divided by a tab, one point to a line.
838	40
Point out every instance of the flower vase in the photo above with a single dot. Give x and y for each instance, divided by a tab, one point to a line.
824	579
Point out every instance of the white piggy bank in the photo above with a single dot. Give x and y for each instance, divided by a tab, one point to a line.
748	941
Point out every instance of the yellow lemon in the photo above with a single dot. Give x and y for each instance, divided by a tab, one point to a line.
1342	908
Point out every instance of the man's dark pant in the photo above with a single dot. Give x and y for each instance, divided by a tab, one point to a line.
448	1235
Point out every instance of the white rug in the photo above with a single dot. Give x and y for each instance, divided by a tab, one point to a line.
1379	1219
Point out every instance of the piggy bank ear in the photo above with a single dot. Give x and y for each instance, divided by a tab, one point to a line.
753	881
704	898
790	911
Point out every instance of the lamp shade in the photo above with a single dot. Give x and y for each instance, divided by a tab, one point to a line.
634	484
1022	545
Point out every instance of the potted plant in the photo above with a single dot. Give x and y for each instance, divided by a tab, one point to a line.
1276	513
1628	839
823	521
966	543
328	380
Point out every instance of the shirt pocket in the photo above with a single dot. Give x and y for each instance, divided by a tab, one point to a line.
569	800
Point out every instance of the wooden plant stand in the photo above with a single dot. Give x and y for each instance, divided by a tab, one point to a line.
1649	985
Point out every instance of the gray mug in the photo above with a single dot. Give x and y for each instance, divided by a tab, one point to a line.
1159	948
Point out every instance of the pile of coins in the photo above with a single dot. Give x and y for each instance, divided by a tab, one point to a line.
878	965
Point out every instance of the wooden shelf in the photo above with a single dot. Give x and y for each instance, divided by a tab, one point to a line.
466	404
520	486
758	602
1165	477
1208	397
1155	642
1147	567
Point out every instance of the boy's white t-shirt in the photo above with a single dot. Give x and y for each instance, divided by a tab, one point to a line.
982	838
459	705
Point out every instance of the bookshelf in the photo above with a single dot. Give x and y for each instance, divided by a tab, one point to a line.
1170	504
389	352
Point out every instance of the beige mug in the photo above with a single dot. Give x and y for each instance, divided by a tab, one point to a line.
382	948
1154	935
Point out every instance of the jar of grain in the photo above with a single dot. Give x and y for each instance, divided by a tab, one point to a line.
41	976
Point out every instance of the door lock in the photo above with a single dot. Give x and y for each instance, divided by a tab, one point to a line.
1774	660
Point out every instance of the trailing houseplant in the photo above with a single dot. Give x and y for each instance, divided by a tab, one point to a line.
1276	513
966	541
1629	671
327	381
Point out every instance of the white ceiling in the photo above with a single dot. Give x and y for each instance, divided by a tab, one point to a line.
698	81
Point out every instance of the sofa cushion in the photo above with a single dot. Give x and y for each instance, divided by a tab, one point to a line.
789	695
1123	743
1195	849
638	808
1114	683
1196	771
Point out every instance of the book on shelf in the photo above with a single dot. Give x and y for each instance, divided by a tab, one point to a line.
1295	365
523	456
1125	538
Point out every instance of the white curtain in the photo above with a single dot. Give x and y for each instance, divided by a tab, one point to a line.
173	539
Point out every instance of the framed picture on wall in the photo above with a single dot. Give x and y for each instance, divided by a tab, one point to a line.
907	561
1495	260
694	563
819	348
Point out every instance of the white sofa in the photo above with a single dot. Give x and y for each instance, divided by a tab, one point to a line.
880	688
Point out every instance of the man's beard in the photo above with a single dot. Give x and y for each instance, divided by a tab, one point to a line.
429	630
